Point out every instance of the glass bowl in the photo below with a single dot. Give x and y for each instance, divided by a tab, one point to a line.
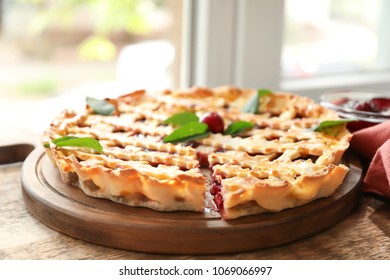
353	105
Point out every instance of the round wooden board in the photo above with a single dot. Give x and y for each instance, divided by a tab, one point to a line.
68	210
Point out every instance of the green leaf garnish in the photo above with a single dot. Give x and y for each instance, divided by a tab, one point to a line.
252	106
55	141
237	127
100	107
187	132
332	127
182	118
71	141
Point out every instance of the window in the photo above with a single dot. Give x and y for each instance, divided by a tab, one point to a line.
307	47
333	37
52	47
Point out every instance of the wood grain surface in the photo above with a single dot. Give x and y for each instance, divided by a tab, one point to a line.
364	234
68	210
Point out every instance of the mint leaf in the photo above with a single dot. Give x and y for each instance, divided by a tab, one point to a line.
188	138
100	107
182	118
332	127
263	92
55	141
71	141
237	127
187	132
252	106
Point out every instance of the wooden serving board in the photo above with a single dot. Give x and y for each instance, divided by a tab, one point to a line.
68	210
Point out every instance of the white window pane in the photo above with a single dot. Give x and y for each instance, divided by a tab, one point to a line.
334	36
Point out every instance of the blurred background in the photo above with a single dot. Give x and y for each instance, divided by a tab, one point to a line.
53	49
50	48
334	37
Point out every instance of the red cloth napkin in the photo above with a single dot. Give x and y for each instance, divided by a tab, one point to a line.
373	145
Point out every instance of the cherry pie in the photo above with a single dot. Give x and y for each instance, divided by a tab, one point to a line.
276	162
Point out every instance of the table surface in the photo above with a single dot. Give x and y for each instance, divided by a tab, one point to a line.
364	234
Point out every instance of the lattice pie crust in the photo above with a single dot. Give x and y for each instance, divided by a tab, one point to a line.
280	163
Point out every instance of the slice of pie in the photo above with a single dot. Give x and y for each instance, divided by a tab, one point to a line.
267	159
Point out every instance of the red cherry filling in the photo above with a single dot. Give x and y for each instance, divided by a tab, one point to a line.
215	190
380	104
364	106
203	158
218	199
214	121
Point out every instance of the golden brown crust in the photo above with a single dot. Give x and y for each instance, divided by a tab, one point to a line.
280	163
163	188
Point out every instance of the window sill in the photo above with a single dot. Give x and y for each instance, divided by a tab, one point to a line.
314	87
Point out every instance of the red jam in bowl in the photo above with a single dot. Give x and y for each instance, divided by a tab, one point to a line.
368	108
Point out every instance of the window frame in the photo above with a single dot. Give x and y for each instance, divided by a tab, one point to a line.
243	28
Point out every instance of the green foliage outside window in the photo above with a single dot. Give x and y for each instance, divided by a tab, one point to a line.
107	17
